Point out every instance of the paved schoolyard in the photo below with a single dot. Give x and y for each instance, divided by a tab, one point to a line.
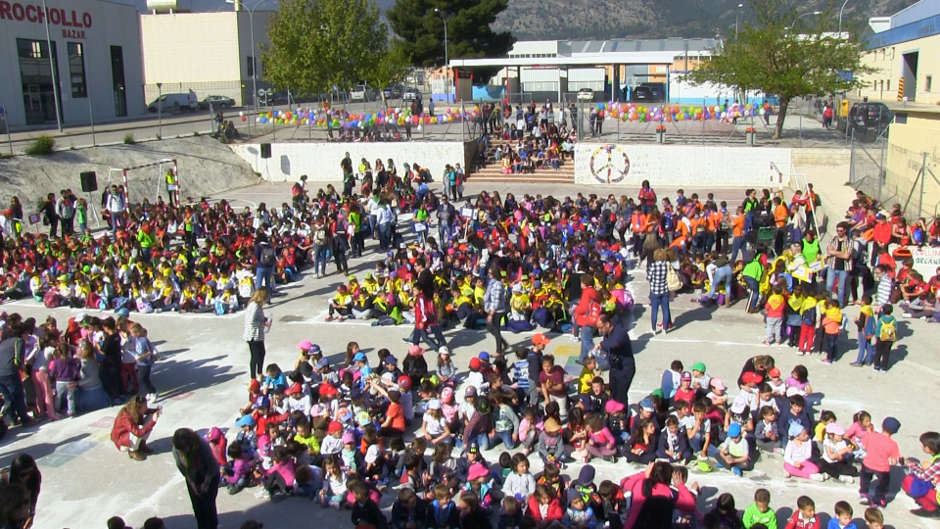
202	380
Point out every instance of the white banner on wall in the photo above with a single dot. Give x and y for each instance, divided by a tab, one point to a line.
926	261
686	165
320	161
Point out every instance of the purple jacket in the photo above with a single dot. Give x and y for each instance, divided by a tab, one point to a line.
66	369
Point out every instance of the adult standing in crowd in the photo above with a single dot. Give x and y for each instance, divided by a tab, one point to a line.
115	204
256	324
656	272
265	259
195	462
494	304
11	361
65	208
616	344
25	472
839	259
49	215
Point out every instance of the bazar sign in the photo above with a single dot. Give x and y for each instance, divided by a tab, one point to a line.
73	22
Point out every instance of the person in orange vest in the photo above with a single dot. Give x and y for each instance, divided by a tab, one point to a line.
781	216
737	233
638	228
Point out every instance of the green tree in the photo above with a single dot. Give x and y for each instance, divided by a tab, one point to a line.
469	31
320	44
781	52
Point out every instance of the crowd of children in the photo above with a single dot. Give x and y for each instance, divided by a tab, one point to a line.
50	373
347	435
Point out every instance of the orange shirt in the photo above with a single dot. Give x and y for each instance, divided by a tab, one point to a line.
781	214
397	414
737	226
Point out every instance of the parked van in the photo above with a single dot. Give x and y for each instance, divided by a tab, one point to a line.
175	102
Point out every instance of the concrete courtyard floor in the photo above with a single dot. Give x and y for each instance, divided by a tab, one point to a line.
203	375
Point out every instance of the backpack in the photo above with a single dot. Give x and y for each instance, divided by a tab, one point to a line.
268	256
319	238
296	190
51	299
888	332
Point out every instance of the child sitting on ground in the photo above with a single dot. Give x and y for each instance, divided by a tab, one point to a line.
805	515
796	456
760	512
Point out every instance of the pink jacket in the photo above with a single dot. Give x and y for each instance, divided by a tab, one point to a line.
603	437
684	502
285	469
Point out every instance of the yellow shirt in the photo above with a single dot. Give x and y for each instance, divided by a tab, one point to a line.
584	380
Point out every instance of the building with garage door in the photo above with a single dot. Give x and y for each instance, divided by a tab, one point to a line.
88	49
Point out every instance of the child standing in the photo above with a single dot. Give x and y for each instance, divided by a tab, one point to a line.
881	451
807	322
832	326
796	456
886	330
865	323
774	309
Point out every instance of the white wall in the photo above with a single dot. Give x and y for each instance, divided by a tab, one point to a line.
682	165
320	161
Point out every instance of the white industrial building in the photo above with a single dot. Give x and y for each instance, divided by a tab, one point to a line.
88	49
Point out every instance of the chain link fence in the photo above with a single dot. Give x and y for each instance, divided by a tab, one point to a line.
910	179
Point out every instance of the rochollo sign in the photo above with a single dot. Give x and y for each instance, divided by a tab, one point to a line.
609	164
73	23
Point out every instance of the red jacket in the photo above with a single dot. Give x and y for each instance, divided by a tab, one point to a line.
797	522
425	314
554	510
124	427
583	308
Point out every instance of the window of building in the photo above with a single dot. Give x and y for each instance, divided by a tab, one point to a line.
251	66
77	69
889	85
927	82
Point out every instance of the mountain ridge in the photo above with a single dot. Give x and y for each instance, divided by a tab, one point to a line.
605	19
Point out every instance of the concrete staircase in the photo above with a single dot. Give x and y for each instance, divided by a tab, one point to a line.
493	172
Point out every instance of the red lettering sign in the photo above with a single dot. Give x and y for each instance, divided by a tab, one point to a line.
34	13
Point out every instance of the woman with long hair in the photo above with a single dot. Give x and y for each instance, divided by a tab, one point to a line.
656	273
256	324
195	462
132	427
653	498
25	472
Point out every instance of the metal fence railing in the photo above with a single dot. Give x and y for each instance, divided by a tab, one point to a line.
892	175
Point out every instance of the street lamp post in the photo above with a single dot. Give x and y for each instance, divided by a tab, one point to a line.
737	14
52	67
808	13
840	17
446	55
254	59
160	109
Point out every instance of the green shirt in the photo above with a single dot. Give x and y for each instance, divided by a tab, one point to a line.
752	515
810	250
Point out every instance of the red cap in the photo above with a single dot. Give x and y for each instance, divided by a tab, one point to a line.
475	363
335	426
